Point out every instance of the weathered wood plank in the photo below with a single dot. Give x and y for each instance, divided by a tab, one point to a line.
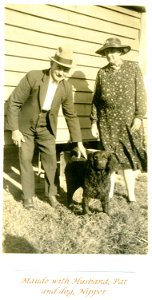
125	11
80	15
7	91
37	52
109	13
84	122
77	79
61	29
19	64
45	40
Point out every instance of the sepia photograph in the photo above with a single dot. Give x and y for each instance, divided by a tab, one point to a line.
75	165
75	147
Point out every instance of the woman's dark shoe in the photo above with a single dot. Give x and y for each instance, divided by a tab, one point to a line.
28	203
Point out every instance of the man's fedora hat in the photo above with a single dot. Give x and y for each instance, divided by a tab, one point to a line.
64	57
113	43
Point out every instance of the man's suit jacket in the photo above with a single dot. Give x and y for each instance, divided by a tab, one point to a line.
26	101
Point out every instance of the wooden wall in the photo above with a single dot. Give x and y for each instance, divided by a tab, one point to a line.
34	31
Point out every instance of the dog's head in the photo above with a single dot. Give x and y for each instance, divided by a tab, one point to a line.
102	160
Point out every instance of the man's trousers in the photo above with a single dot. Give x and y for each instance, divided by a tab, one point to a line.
46	145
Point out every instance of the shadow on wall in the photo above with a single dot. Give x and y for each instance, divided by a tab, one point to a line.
83	96
14	244
80	83
82	99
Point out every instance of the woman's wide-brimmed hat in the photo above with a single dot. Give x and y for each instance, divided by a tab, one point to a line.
64	57
113	43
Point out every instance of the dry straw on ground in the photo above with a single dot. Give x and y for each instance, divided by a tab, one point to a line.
48	230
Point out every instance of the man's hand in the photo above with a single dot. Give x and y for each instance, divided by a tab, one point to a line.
17	137
81	150
94	130
136	125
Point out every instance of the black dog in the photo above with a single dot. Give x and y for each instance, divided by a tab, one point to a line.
93	175
75	174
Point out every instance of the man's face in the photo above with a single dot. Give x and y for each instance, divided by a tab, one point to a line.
59	72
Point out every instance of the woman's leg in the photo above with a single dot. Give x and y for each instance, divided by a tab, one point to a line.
112	179
129	176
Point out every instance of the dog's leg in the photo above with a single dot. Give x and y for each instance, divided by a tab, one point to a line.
69	182
70	192
105	205
85	206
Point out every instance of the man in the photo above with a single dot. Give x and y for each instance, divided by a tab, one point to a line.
32	116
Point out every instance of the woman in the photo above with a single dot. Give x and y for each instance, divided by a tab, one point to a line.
118	108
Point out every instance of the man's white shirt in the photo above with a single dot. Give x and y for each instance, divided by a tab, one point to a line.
50	95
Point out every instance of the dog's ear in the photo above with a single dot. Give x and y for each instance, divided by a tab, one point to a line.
112	163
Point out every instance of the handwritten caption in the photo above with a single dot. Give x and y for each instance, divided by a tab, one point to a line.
76	286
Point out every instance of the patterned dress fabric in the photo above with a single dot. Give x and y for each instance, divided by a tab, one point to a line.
119	97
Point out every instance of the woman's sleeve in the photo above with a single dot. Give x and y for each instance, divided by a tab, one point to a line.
140	94
96	97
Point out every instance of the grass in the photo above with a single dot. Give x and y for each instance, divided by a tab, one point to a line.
61	231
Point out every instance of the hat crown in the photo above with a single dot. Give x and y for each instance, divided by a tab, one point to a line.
65	53
63	56
113	42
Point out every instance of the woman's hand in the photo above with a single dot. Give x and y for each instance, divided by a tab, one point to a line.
94	130
136	125
17	137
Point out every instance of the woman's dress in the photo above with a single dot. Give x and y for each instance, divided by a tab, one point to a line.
120	97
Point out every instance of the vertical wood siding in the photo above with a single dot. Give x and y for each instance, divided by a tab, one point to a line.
33	32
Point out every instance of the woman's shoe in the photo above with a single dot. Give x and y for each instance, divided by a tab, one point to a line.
28	203
52	201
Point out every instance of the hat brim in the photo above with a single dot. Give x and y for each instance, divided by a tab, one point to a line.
124	49
62	64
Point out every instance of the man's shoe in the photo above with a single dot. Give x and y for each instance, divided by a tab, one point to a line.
52	201
28	203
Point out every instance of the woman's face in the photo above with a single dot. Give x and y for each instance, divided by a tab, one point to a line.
113	55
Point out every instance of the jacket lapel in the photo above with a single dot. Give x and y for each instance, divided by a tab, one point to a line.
43	88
